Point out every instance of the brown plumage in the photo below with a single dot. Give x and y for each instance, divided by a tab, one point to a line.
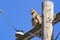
36	18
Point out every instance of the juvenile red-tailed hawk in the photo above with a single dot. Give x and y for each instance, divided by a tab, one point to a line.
36	18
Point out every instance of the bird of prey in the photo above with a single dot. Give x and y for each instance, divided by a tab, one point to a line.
36	18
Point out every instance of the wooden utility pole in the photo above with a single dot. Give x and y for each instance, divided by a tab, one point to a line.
47	26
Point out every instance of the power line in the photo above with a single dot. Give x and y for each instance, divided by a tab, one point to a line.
8	20
57	36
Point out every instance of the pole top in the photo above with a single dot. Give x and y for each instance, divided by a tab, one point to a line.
46	0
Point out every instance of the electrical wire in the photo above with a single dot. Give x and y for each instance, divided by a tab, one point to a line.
57	36
9	22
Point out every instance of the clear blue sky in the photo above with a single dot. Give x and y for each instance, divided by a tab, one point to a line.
18	11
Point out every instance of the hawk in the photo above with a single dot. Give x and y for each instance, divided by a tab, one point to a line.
36	18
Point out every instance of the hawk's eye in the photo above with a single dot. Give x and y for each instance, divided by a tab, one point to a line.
32	13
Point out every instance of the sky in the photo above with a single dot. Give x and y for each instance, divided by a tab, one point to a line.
18	12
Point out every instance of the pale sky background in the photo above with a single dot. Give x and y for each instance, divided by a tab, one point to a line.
18	12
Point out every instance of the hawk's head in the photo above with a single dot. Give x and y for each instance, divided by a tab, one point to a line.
33	13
